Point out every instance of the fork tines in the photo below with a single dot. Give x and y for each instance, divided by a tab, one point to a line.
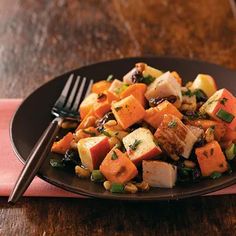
73	93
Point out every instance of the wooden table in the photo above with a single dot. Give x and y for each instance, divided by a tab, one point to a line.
41	39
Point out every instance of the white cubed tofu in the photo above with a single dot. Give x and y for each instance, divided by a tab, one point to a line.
196	131
140	145
164	86
93	150
174	137
159	174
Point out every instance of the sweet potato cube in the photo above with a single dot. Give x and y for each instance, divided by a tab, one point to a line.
140	145
128	111
117	167
211	159
101	86
63	144
221	106
137	90
154	115
87	104
103	103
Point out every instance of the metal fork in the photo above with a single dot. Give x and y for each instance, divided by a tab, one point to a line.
66	107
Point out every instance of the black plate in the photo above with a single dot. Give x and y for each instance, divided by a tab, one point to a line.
33	116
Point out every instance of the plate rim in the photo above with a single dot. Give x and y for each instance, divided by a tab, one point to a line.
119	197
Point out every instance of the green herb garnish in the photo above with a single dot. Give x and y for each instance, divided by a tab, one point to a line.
147	79
187	93
135	144
223	101
172	124
215	175
110	78
57	163
89	132
114	156
117	188
225	116
105	133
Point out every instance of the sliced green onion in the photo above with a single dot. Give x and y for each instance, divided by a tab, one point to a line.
230	152
117	188
215	175
225	116
97	176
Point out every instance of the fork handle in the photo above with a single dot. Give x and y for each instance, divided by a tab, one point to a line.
35	160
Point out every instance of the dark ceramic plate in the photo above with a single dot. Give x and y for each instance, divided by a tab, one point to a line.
33	116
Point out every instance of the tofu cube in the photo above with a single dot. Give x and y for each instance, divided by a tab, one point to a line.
140	145
93	150
174	137
159	174
128	111
116	86
164	86
221	106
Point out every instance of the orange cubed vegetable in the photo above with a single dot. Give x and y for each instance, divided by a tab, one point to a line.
211	159
177	77
219	127
63	144
117	167
137	90
87	104
128	111
101	86
103	103
221	106
154	115
230	135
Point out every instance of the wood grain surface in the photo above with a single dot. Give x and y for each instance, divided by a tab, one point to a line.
41	39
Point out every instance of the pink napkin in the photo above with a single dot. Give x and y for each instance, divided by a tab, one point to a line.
10	166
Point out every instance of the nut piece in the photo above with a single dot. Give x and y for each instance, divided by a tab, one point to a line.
114	141
143	186
209	135
69	125
189	164
107	185
110	123
82	172
73	144
131	188
90	121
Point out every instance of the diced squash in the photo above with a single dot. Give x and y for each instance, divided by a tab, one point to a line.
137	90
154	115
230	135
140	145
101	86
159	174
103	104
128	111
177	77
221	106
219	127
63	144
87	104
117	167
211	159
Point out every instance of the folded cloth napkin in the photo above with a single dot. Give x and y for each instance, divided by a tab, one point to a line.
10	166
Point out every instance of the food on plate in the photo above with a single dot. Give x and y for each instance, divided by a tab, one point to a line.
150	130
